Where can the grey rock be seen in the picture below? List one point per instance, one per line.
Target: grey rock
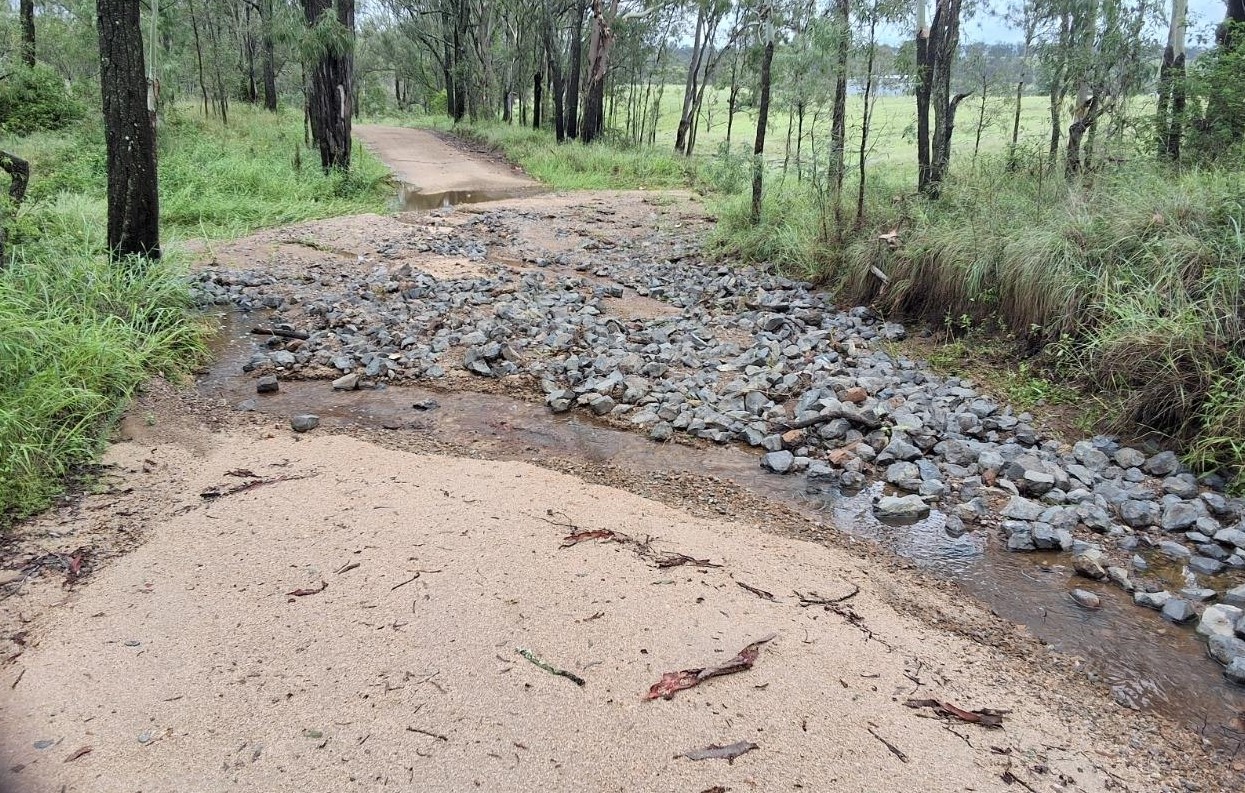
(1219, 620)
(904, 475)
(1152, 600)
(1179, 516)
(901, 507)
(304, 422)
(1235, 596)
(1019, 508)
(1235, 671)
(1225, 649)
(1139, 514)
(267, 384)
(1086, 599)
(780, 462)
(661, 431)
(1162, 464)
(601, 404)
(1178, 611)
(347, 382)
(1198, 594)
(1204, 565)
(1174, 550)
(1119, 577)
(819, 471)
(1129, 458)
(1232, 537)
(1089, 564)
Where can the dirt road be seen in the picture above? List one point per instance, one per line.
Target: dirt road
(242, 607)
(422, 159)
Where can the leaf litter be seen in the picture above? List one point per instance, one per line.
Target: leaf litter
(715, 752)
(672, 682)
(986, 717)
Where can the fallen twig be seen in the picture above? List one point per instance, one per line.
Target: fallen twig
(715, 752)
(672, 682)
(82, 751)
(761, 593)
(418, 573)
(609, 535)
(347, 567)
(285, 334)
(438, 736)
(986, 717)
(676, 559)
(220, 491)
(1009, 778)
(298, 593)
(895, 750)
(553, 670)
(814, 599)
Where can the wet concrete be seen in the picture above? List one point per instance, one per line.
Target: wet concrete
(1148, 663)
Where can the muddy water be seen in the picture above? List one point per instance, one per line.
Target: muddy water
(1148, 663)
(410, 199)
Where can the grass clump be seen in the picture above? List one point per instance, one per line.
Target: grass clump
(79, 334)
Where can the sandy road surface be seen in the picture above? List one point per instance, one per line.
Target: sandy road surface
(420, 158)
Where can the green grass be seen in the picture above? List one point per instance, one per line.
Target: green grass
(80, 335)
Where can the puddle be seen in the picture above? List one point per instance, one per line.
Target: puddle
(1150, 664)
(411, 199)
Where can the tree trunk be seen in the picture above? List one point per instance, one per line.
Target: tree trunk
(923, 73)
(331, 90)
(758, 148)
(194, 26)
(577, 65)
(598, 68)
(269, 65)
(28, 32)
(866, 118)
(838, 113)
(1083, 119)
(130, 136)
(1171, 103)
(944, 44)
(689, 85)
(536, 85)
(19, 176)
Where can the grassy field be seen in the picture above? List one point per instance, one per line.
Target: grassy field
(78, 334)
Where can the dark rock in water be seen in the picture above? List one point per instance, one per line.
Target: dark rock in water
(304, 422)
(1086, 599)
(1204, 565)
(267, 384)
(1174, 550)
(1089, 564)
(779, 462)
(1178, 611)
(1235, 596)
(1152, 600)
(1235, 671)
(1225, 648)
(897, 507)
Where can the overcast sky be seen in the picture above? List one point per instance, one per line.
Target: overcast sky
(1204, 15)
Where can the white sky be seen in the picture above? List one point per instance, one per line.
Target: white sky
(1204, 15)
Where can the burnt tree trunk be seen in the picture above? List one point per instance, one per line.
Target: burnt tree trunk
(19, 176)
(577, 65)
(331, 89)
(269, 57)
(536, 100)
(838, 113)
(130, 136)
(758, 148)
(28, 32)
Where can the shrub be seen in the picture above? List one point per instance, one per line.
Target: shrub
(34, 100)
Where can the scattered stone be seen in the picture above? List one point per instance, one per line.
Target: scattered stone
(1204, 565)
(1162, 464)
(1219, 620)
(779, 462)
(1088, 563)
(1235, 671)
(1225, 648)
(267, 384)
(1023, 509)
(1086, 599)
(1129, 458)
(1152, 600)
(662, 431)
(1178, 611)
(900, 507)
(304, 422)
(1235, 596)
(347, 382)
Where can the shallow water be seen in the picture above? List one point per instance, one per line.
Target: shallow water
(1149, 663)
(410, 199)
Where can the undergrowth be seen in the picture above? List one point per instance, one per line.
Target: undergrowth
(1132, 282)
(79, 334)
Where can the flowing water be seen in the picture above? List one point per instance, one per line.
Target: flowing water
(1148, 662)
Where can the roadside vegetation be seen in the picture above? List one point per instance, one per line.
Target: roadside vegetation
(80, 334)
